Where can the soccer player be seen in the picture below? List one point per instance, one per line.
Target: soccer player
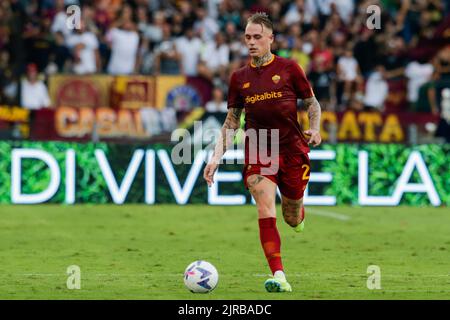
(268, 88)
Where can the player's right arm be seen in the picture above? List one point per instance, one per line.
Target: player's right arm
(224, 141)
(229, 128)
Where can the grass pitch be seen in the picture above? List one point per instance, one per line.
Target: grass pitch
(140, 252)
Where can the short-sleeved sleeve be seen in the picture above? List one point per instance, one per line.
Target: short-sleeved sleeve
(301, 85)
(234, 97)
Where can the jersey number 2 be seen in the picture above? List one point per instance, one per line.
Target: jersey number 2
(305, 172)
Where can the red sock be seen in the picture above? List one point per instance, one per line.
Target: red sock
(271, 243)
(302, 215)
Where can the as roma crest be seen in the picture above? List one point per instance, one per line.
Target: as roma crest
(276, 78)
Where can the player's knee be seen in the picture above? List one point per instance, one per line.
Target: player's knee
(265, 209)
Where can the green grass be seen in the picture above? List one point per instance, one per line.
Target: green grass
(140, 252)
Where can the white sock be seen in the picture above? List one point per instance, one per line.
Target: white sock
(279, 274)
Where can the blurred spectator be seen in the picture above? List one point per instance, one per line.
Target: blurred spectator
(228, 13)
(441, 79)
(205, 26)
(9, 86)
(38, 42)
(310, 12)
(356, 103)
(294, 32)
(348, 73)
(167, 58)
(322, 55)
(442, 63)
(260, 6)
(365, 51)
(217, 104)
(151, 30)
(426, 42)
(189, 46)
(293, 14)
(147, 57)
(124, 42)
(443, 129)
(101, 17)
(34, 94)
(154, 31)
(177, 23)
(84, 47)
(376, 90)
(324, 86)
(61, 52)
(345, 9)
(142, 20)
(324, 8)
(88, 14)
(418, 74)
(5, 73)
(335, 30)
(237, 46)
(60, 20)
(394, 58)
(215, 58)
(185, 17)
(300, 56)
(283, 50)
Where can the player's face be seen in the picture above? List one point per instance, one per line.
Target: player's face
(258, 39)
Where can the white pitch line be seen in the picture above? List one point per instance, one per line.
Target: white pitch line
(328, 214)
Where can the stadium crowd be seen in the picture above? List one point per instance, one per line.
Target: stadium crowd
(349, 64)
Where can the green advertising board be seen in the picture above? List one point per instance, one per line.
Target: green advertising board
(367, 174)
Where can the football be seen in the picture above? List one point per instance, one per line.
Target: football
(201, 277)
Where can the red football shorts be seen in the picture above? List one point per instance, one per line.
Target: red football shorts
(291, 176)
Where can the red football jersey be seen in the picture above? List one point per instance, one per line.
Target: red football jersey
(269, 95)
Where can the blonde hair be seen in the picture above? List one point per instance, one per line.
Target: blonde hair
(261, 18)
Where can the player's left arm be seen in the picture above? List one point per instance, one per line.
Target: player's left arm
(314, 112)
(304, 91)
